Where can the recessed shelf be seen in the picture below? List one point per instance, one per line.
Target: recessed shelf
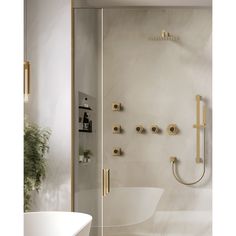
(85, 108)
(85, 131)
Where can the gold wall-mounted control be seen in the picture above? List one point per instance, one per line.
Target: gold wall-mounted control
(116, 106)
(116, 129)
(172, 129)
(116, 151)
(140, 129)
(155, 129)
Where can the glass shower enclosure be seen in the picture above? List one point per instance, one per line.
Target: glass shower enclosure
(142, 117)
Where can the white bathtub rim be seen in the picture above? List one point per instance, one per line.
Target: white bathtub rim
(82, 226)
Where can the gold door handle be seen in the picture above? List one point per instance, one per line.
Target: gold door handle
(106, 182)
(103, 182)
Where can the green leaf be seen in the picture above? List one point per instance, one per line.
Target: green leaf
(36, 146)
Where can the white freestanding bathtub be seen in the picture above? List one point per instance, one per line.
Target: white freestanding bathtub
(56, 224)
(123, 206)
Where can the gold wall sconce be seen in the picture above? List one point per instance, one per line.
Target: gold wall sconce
(26, 81)
(116, 106)
(155, 129)
(116, 129)
(172, 129)
(140, 129)
(117, 151)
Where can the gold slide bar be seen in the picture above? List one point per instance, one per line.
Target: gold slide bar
(198, 158)
(198, 126)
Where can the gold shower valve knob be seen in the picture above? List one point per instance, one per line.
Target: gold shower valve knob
(116, 129)
(140, 129)
(116, 106)
(172, 129)
(116, 151)
(155, 129)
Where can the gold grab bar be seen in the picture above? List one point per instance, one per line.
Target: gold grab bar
(198, 127)
(106, 182)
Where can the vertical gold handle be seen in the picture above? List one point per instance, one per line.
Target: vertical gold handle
(106, 181)
(103, 182)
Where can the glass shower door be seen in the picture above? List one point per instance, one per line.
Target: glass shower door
(129, 88)
(88, 116)
(150, 83)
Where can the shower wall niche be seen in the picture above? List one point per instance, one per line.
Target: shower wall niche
(156, 82)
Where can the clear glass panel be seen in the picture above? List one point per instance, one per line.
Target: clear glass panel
(87, 91)
(156, 82)
(123, 61)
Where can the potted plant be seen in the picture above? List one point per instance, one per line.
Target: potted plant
(35, 148)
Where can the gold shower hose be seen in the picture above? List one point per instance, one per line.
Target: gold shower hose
(173, 164)
(198, 127)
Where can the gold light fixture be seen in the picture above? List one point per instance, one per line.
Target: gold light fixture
(26, 81)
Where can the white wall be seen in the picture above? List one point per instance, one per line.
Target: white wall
(49, 51)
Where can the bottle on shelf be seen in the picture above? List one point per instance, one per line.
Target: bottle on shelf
(86, 122)
(80, 123)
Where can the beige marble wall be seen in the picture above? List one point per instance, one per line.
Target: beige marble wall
(157, 81)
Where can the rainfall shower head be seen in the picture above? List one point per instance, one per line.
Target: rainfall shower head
(164, 36)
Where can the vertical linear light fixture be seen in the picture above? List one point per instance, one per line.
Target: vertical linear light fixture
(26, 81)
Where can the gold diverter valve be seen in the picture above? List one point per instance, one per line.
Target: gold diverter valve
(155, 129)
(172, 129)
(116, 129)
(140, 129)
